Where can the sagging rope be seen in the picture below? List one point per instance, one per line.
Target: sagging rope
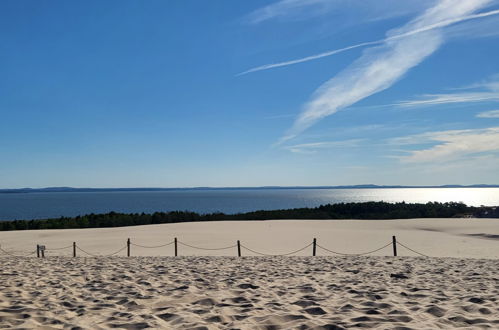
(61, 248)
(16, 255)
(276, 255)
(354, 254)
(153, 246)
(100, 255)
(208, 249)
(408, 248)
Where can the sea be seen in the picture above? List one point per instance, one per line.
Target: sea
(42, 205)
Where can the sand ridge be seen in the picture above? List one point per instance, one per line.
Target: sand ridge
(456, 288)
(248, 293)
(462, 238)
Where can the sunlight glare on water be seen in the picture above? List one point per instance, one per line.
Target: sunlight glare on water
(56, 204)
(469, 196)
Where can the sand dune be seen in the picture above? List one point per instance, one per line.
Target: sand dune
(458, 288)
(463, 238)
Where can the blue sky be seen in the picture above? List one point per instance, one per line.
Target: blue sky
(248, 93)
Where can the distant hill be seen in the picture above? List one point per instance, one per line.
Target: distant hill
(362, 186)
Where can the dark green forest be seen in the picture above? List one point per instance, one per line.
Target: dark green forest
(369, 210)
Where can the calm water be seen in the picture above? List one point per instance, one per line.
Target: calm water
(49, 205)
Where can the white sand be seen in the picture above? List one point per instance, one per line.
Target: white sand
(248, 293)
(462, 238)
(193, 292)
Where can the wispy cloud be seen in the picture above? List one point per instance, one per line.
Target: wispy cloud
(450, 145)
(288, 115)
(369, 10)
(438, 25)
(285, 8)
(313, 147)
(482, 92)
(436, 99)
(380, 67)
(489, 114)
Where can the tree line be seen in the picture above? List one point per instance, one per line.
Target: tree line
(368, 210)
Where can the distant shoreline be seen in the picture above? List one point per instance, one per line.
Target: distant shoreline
(366, 186)
(339, 211)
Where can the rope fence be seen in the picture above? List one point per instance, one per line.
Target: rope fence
(41, 249)
(100, 255)
(153, 246)
(208, 249)
(276, 255)
(354, 254)
(408, 248)
(61, 248)
(25, 254)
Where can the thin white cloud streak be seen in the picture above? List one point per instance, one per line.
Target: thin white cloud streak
(439, 99)
(309, 58)
(313, 147)
(480, 28)
(434, 26)
(424, 138)
(450, 145)
(280, 116)
(369, 10)
(487, 92)
(380, 67)
(492, 84)
(286, 8)
(489, 114)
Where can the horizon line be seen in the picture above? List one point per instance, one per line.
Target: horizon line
(367, 185)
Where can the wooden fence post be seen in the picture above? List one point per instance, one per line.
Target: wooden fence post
(38, 250)
(394, 243)
(128, 247)
(176, 248)
(74, 249)
(42, 250)
(314, 247)
(238, 248)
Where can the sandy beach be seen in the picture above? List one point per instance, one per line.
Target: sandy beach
(461, 238)
(456, 287)
(210, 114)
(248, 293)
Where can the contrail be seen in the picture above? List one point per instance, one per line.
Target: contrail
(378, 70)
(369, 43)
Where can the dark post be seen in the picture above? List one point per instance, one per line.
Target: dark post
(315, 247)
(74, 249)
(175, 243)
(394, 242)
(43, 252)
(238, 248)
(128, 247)
(38, 250)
